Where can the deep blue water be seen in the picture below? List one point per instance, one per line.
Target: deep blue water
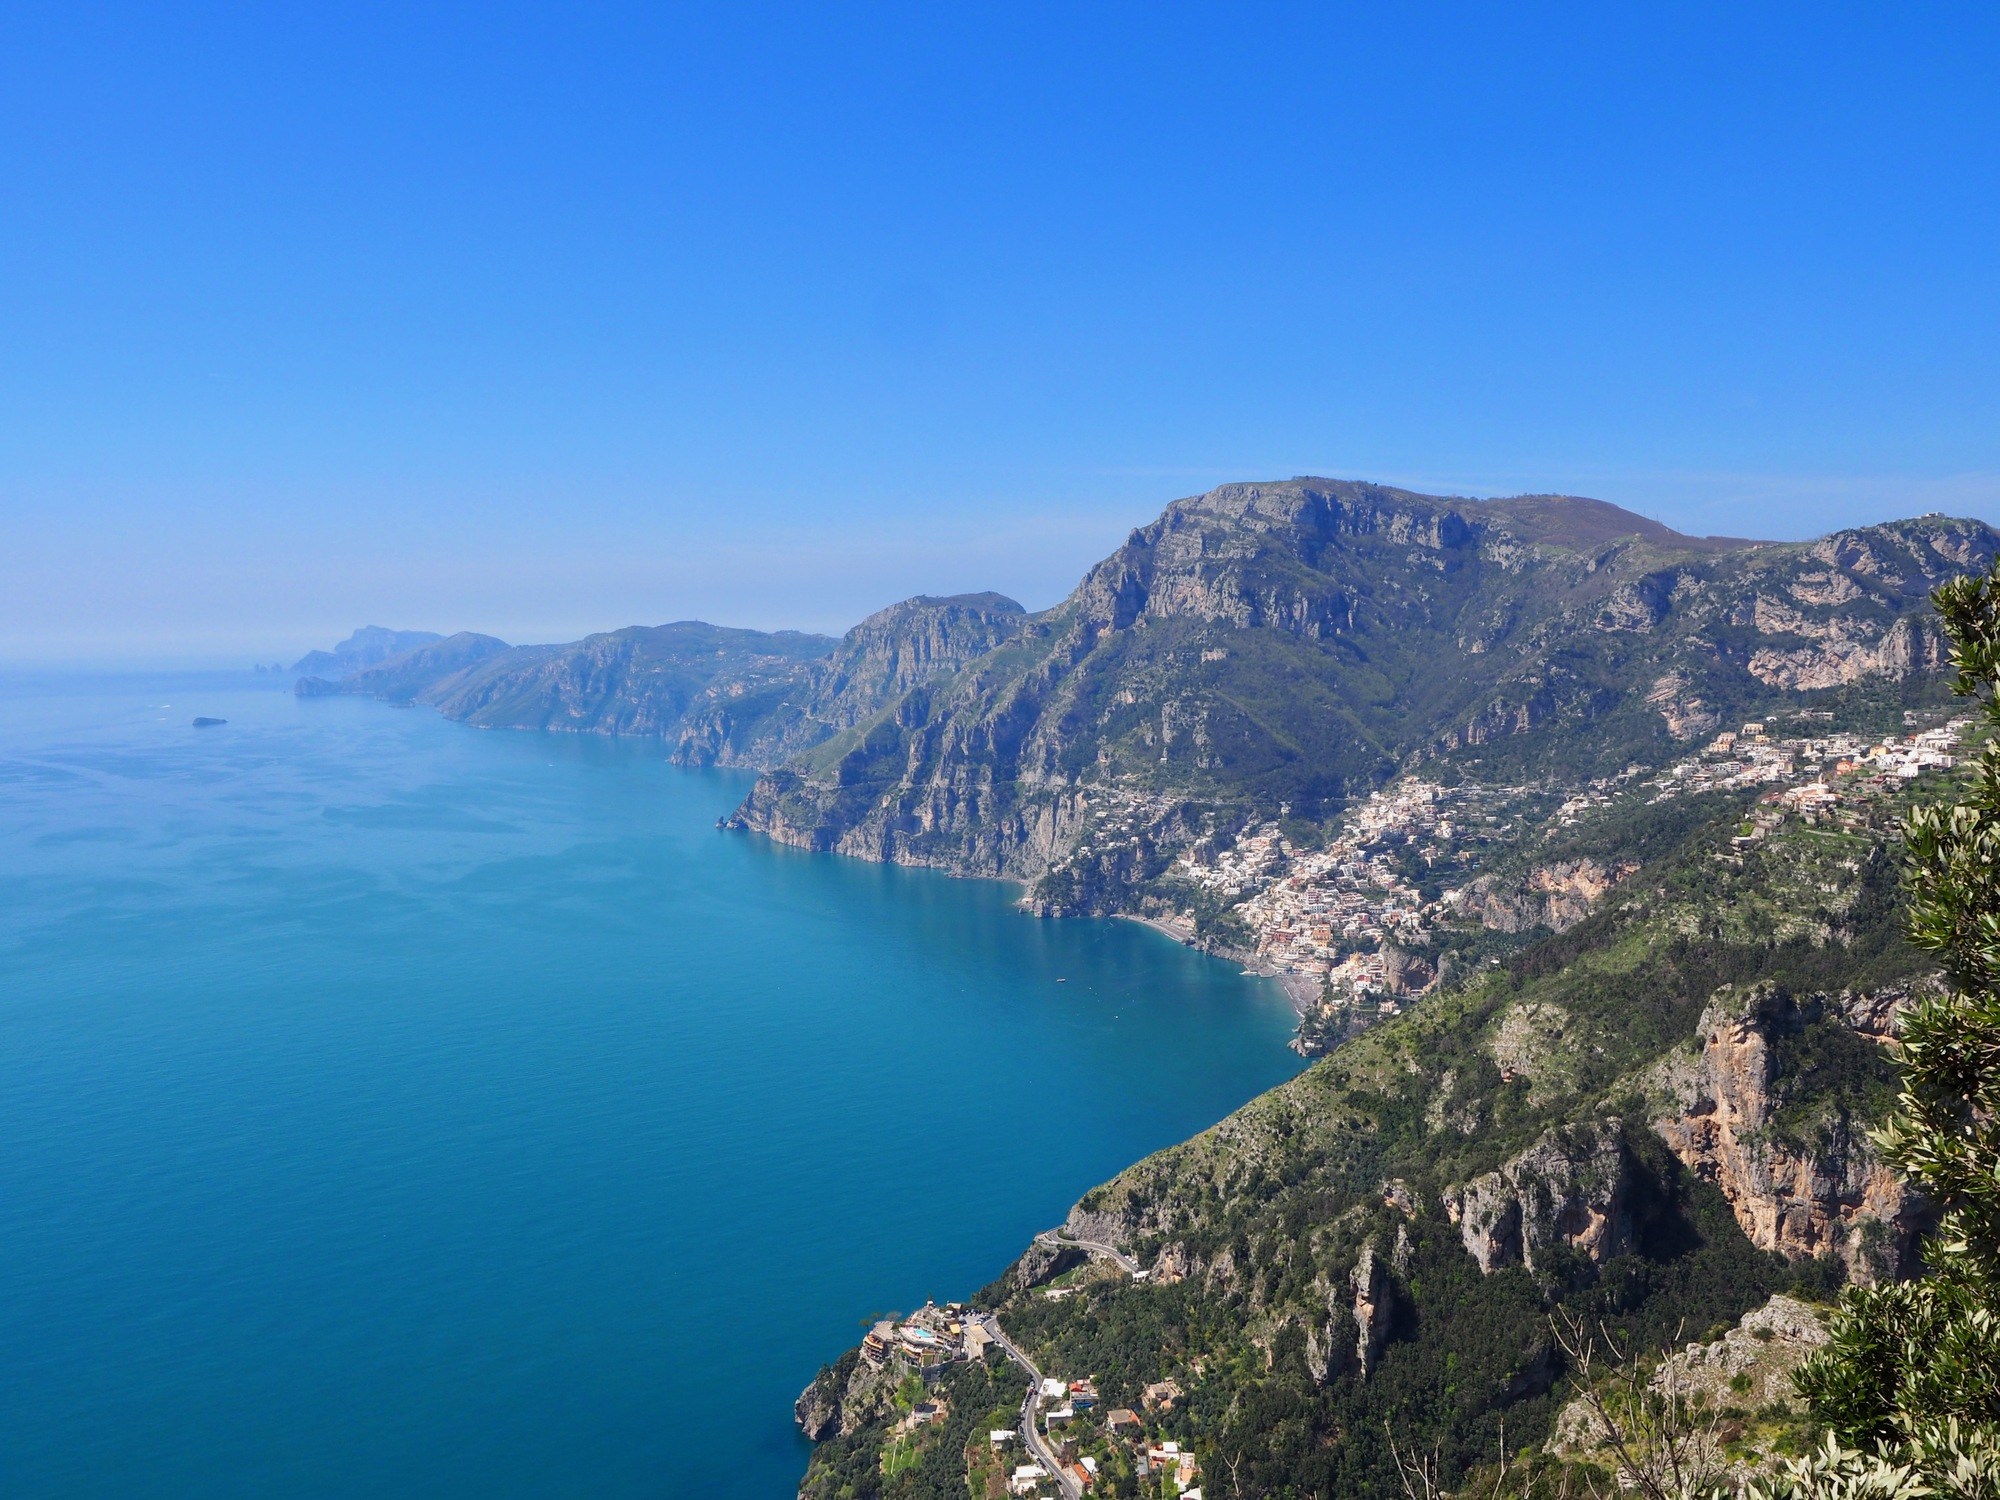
(388, 1108)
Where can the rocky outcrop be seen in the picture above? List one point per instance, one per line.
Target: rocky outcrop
(1749, 1369)
(817, 1411)
(1906, 649)
(1556, 896)
(1042, 1261)
(844, 1397)
(1829, 1193)
(1363, 1304)
(1570, 1189)
(1531, 1040)
(1686, 716)
(1371, 1308)
(1405, 973)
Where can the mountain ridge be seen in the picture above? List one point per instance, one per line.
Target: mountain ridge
(1284, 647)
(1259, 650)
(717, 694)
(369, 646)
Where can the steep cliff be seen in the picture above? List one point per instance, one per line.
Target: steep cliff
(1774, 1109)
(1655, 1118)
(1570, 1189)
(1557, 895)
(1271, 649)
(891, 653)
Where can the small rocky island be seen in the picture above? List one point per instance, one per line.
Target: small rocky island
(202, 721)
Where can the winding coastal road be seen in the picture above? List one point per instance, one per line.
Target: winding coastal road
(1031, 1432)
(1058, 1240)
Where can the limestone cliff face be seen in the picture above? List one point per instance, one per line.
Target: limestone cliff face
(1556, 896)
(1364, 1305)
(1681, 708)
(843, 1398)
(1571, 1188)
(1906, 649)
(1267, 648)
(1842, 611)
(891, 653)
(1371, 1308)
(1826, 1192)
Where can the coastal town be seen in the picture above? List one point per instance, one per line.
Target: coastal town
(1346, 926)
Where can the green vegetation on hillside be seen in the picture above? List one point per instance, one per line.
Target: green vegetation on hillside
(1909, 1388)
(1257, 1231)
(927, 1462)
(1275, 651)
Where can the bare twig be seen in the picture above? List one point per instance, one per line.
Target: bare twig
(1662, 1434)
(1419, 1472)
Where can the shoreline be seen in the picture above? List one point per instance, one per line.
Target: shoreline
(1299, 989)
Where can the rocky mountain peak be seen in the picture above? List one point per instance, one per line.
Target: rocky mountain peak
(1284, 645)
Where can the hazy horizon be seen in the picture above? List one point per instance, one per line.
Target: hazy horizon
(1022, 552)
(544, 323)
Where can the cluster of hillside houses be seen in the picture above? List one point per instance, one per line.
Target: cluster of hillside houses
(1340, 913)
(1324, 913)
(1072, 1420)
(1811, 774)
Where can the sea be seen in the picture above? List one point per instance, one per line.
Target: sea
(393, 1108)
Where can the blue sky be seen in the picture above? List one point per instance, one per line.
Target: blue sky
(542, 319)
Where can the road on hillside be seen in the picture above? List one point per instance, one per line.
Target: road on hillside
(1061, 1241)
(1031, 1432)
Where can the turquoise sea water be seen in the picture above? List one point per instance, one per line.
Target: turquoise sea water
(388, 1108)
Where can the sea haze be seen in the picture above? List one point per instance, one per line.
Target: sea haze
(394, 1108)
